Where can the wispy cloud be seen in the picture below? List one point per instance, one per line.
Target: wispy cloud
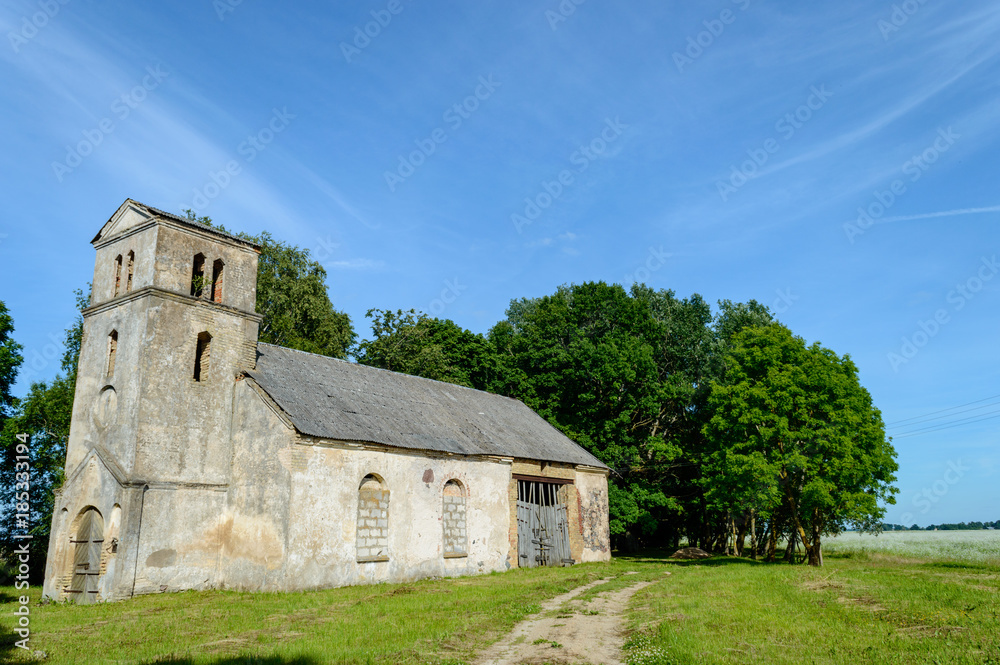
(945, 213)
(356, 264)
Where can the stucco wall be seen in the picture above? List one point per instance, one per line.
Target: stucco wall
(298, 497)
(143, 243)
(179, 539)
(595, 536)
(92, 485)
(183, 431)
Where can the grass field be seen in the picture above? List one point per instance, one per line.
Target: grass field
(880, 605)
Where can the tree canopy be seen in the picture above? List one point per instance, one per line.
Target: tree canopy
(44, 415)
(413, 343)
(794, 436)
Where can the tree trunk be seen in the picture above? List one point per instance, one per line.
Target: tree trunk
(816, 554)
(810, 550)
(741, 536)
(753, 535)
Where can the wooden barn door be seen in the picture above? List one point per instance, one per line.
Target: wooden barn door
(542, 527)
(89, 541)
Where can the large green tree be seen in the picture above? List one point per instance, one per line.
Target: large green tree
(794, 434)
(292, 297)
(44, 416)
(413, 343)
(593, 360)
(10, 361)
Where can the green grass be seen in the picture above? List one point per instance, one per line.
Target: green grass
(430, 621)
(864, 606)
(882, 609)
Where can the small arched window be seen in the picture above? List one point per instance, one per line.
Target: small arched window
(203, 356)
(198, 275)
(373, 520)
(453, 520)
(112, 352)
(217, 269)
(130, 270)
(118, 274)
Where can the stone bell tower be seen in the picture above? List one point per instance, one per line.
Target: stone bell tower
(171, 323)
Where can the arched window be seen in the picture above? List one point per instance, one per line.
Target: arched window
(217, 268)
(118, 274)
(373, 520)
(198, 275)
(203, 356)
(453, 520)
(112, 351)
(88, 541)
(131, 269)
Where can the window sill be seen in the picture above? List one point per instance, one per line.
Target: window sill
(456, 555)
(370, 559)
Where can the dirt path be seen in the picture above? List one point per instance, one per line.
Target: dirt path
(567, 631)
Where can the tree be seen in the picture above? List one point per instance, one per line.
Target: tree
(588, 359)
(292, 298)
(413, 343)
(10, 361)
(795, 433)
(44, 415)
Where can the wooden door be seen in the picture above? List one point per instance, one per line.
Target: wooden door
(542, 528)
(88, 542)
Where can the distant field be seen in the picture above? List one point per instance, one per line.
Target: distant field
(976, 546)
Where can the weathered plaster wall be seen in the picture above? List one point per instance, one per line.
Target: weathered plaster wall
(143, 243)
(296, 500)
(183, 432)
(322, 537)
(105, 407)
(255, 523)
(595, 536)
(91, 485)
(179, 539)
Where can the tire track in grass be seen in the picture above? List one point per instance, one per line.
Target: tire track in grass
(568, 632)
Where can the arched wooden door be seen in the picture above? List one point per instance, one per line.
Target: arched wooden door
(88, 542)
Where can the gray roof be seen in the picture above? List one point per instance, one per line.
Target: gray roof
(335, 399)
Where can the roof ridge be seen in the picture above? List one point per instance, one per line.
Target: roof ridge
(195, 223)
(382, 369)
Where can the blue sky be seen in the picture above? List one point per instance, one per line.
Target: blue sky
(460, 155)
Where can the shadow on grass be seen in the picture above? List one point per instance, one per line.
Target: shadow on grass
(959, 565)
(7, 647)
(664, 557)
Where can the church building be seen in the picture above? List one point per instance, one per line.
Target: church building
(201, 458)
